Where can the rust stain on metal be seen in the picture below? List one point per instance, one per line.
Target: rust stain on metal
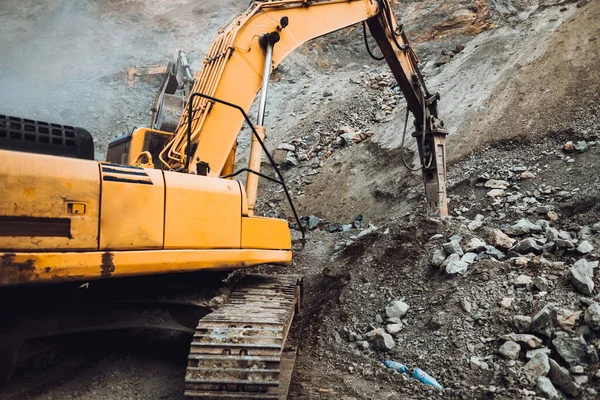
(108, 266)
(16, 272)
(8, 261)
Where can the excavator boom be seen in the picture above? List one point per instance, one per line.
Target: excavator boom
(235, 66)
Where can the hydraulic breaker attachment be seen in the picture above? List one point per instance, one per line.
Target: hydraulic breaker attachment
(433, 155)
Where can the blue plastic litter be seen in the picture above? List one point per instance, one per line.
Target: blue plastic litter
(397, 366)
(427, 379)
(417, 373)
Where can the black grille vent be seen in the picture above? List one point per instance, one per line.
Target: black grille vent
(45, 138)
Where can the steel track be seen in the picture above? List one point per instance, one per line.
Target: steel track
(238, 351)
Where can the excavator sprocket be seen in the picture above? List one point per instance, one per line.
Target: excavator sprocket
(239, 350)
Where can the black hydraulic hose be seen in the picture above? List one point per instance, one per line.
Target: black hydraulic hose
(373, 56)
(262, 145)
(402, 145)
(388, 16)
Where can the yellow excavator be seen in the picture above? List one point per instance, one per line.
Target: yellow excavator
(168, 202)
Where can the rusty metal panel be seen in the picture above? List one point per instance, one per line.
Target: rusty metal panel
(38, 195)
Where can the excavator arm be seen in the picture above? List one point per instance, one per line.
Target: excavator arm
(244, 53)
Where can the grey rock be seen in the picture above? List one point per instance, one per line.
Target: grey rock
(438, 258)
(392, 329)
(549, 247)
(475, 245)
(455, 238)
(526, 246)
(334, 227)
(581, 146)
(581, 379)
(363, 345)
(581, 275)
(477, 363)
(290, 159)
(314, 222)
(577, 369)
(592, 316)
(327, 93)
(563, 244)
(543, 209)
(532, 353)
(494, 253)
(437, 236)
(527, 340)
(449, 259)
(551, 234)
(510, 350)
(561, 378)
(522, 227)
(397, 309)
(522, 280)
(572, 349)
(453, 247)
(544, 321)
(469, 258)
(585, 233)
(585, 247)
(378, 319)
(537, 366)
(286, 146)
(394, 320)
(541, 283)
(522, 323)
(545, 388)
(476, 223)
(380, 339)
(457, 267)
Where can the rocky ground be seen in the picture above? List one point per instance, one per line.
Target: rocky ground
(498, 301)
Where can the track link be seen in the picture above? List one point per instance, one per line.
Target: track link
(237, 350)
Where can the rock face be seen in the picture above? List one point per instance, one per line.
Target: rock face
(380, 339)
(592, 316)
(572, 349)
(396, 309)
(581, 276)
(561, 378)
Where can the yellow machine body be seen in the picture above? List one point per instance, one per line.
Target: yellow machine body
(65, 219)
(165, 202)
